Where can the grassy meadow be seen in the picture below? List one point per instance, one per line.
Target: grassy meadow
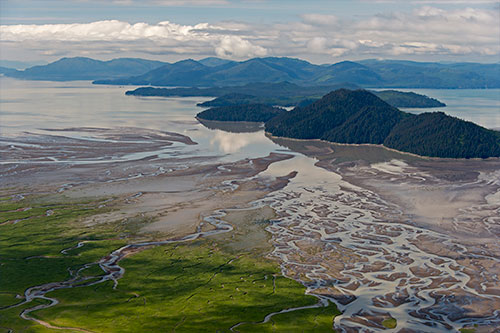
(200, 286)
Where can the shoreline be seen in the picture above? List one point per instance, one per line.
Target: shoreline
(269, 135)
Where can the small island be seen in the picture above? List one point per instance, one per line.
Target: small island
(410, 99)
(247, 113)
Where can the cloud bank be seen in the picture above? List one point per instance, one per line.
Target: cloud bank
(426, 31)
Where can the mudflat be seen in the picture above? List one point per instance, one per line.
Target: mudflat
(389, 237)
(410, 234)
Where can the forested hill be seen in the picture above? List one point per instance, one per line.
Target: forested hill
(368, 73)
(341, 109)
(437, 134)
(358, 116)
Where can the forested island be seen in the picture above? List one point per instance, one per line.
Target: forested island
(82, 68)
(249, 112)
(283, 94)
(410, 99)
(360, 117)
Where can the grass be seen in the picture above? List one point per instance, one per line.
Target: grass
(308, 320)
(202, 286)
(390, 323)
(190, 287)
(30, 250)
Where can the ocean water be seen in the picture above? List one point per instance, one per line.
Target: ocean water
(32, 106)
(481, 106)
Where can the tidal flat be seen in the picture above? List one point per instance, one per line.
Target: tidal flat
(150, 215)
(94, 265)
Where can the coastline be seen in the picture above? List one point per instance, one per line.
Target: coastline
(268, 134)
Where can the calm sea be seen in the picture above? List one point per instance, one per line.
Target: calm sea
(481, 106)
(35, 105)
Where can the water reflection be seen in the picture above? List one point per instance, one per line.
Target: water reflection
(229, 143)
(232, 126)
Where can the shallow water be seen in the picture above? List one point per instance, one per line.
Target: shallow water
(324, 212)
(31, 106)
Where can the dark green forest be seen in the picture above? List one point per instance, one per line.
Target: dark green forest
(356, 117)
(320, 119)
(249, 112)
(408, 99)
(437, 134)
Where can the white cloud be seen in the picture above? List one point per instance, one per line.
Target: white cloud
(320, 19)
(425, 31)
(236, 47)
(163, 37)
(111, 30)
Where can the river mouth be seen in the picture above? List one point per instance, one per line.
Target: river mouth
(382, 234)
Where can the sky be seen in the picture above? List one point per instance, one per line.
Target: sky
(319, 31)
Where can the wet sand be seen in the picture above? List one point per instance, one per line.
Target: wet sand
(415, 238)
(158, 185)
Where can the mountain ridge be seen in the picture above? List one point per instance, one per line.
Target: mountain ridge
(212, 71)
(370, 73)
(83, 68)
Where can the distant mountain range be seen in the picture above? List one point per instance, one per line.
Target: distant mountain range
(359, 117)
(368, 73)
(80, 68)
(210, 72)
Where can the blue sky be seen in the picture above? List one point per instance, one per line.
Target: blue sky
(319, 31)
(192, 12)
